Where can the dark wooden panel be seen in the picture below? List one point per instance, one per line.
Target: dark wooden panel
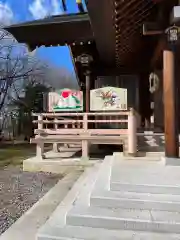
(101, 14)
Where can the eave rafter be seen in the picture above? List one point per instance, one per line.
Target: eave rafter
(128, 18)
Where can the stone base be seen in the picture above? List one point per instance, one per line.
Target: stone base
(85, 159)
(55, 166)
(132, 154)
(171, 161)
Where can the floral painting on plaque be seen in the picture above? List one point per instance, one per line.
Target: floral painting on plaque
(108, 99)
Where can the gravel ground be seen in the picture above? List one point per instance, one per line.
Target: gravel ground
(19, 191)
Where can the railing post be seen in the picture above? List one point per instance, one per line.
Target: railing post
(85, 143)
(132, 133)
(55, 145)
(40, 145)
(65, 144)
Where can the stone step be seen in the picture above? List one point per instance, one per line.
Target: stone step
(125, 219)
(145, 188)
(87, 233)
(131, 200)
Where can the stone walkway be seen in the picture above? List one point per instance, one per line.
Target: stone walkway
(120, 199)
(19, 191)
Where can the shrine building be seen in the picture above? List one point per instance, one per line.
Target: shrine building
(132, 45)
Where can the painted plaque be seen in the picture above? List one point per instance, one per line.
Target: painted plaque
(108, 99)
(65, 100)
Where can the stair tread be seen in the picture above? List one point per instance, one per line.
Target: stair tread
(137, 196)
(126, 214)
(146, 184)
(138, 176)
(130, 175)
(88, 233)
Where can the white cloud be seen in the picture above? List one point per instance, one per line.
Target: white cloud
(56, 7)
(43, 8)
(6, 14)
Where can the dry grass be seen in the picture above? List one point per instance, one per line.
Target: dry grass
(14, 154)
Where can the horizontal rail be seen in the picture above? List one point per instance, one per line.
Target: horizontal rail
(80, 137)
(58, 121)
(40, 114)
(119, 113)
(80, 121)
(74, 139)
(82, 131)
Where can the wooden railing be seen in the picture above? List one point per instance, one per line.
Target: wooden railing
(89, 127)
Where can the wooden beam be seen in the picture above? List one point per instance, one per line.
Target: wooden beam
(158, 52)
(152, 28)
(170, 114)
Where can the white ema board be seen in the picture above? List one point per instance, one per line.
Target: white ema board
(108, 99)
(65, 100)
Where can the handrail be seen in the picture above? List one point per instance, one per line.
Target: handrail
(80, 121)
(121, 113)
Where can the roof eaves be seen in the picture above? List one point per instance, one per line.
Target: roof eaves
(53, 20)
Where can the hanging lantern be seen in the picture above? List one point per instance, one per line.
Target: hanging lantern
(85, 59)
(153, 82)
(172, 34)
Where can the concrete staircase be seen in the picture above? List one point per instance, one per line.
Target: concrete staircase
(119, 199)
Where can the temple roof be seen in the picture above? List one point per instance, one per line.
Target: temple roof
(111, 31)
(54, 30)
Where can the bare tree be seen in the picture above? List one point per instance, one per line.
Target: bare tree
(19, 69)
(16, 65)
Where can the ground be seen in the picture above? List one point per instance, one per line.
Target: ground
(14, 154)
(19, 190)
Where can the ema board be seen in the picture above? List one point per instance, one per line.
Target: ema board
(65, 100)
(108, 99)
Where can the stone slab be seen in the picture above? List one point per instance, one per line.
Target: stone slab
(146, 173)
(145, 188)
(134, 202)
(171, 161)
(87, 233)
(54, 166)
(124, 219)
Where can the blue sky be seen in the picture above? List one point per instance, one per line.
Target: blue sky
(14, 11)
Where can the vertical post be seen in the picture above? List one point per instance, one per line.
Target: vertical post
(40, 145)
(132, 136)
(66, 127)
(55, 145)
(170, 114)
(87, 92)
(85, 144)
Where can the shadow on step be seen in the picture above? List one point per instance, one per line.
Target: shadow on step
(100, 151)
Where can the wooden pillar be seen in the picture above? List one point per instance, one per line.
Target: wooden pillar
(132, 133)
(56, 145)
(170, 113)
(85, 143)
(87, 92)
(40, 144)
